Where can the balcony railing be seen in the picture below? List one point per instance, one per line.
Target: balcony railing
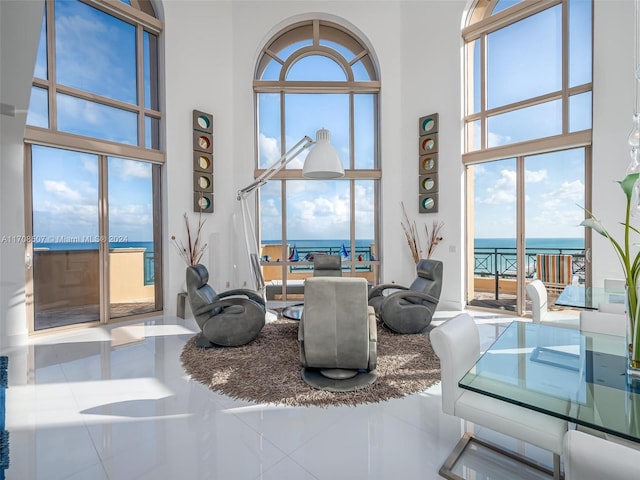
(500, 263)
(149, 268)
(306, 254)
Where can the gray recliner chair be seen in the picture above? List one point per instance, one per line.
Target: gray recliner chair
(409, 309)
(227, 319)
(327, 266)
(337, 334)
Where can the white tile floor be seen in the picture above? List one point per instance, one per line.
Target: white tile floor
(114, 403)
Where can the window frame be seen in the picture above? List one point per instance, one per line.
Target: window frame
(321, 30)
(480, 23)
(484, 25)
(142, 21)
(141, 15)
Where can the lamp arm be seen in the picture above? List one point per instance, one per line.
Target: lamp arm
(276, 166)
(250, 239)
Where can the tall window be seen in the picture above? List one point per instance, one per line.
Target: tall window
(528, 96)
(315, 75)
(93, 163)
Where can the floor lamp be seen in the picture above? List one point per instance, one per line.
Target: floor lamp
(322, 162)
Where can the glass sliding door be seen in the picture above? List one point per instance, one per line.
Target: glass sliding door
(554, 194)
(365, 218)
(522, 208)
(66, 238)
(493, 218)
(131, 238)
(92, 264)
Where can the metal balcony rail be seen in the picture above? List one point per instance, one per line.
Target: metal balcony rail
(500, 263)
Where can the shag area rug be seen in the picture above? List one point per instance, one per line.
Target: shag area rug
(267, 370)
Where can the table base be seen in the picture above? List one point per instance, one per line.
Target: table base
(468, 439)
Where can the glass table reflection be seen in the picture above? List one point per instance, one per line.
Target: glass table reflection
(577, 376)
(588, 298)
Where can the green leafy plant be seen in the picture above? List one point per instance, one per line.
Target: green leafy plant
(630, 264)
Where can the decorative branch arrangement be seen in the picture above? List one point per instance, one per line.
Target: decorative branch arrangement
(433, 236)
(411, 232)
(413, 239)
(192, 253)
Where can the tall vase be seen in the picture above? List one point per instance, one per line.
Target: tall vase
(633, 342)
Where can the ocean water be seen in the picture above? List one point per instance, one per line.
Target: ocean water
(306, 248)
(531, 244)
(542, 244)
(320, 243)
(91, 245)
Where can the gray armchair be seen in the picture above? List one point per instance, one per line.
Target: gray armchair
(227, 319)
(409, 309)
(337, 334)
(327, 266)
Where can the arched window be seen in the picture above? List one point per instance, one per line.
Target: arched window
(94, 149)
(316, 74)
(528, 117)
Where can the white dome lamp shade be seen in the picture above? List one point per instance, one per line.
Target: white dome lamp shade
(323, 161)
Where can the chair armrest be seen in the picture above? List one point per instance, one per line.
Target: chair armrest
(244, 292)
(379, 290)
(413, 297)
(218, 306)
(213, 308)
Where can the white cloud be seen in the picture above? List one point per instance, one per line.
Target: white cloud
(90, 164)
(495, 139)
(61, 190)
(133, 169)
(504, 189)
(269, 149)
(131, 215)
(535, 176)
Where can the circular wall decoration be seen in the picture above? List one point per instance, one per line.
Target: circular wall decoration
(204, 203)
(204, 162)
(203, 142)
(428, 183)
(427, 163)
(428, 124)
(203, 122)
(204, 182)
(428, 203)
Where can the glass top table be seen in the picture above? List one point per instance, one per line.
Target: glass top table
(293, 312)
(577, 376)
(579, 296)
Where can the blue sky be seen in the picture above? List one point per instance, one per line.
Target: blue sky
(554, 191)
(65, 183)
(65, 206)
(554, 183)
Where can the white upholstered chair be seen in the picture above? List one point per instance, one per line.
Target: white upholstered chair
(537, 293)
(457, 344)
(619, 308)
(597, 321)
(593, 458)
(614, 290)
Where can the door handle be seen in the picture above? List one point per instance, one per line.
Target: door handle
(28, 261)
(587, 255)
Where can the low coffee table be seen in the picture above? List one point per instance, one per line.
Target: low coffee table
(293, 312)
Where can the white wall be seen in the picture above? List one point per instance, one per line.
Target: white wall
(19, 35)
(411, 87)
(210, 51)
(613, 82)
